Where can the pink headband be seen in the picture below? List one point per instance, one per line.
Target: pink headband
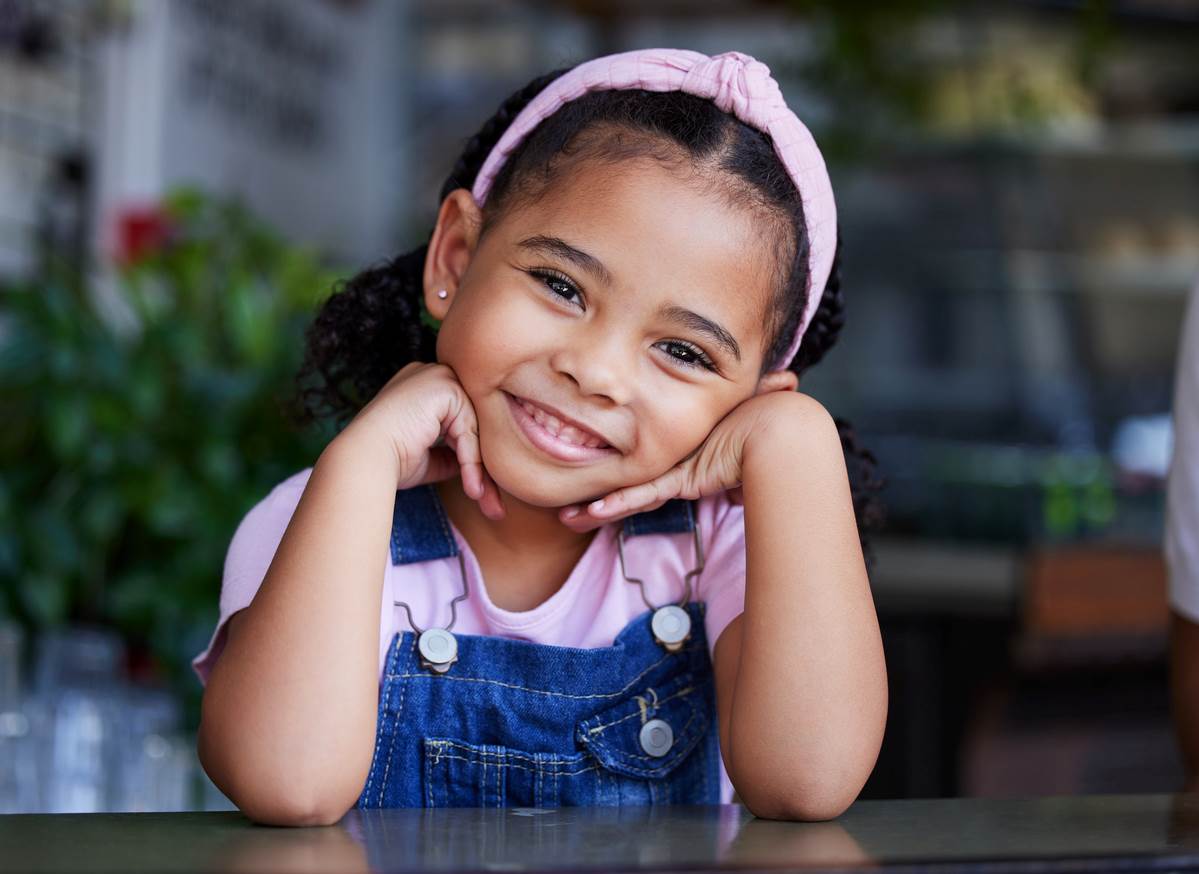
(737, 84)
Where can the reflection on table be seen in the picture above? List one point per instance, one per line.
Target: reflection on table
(1128, 832)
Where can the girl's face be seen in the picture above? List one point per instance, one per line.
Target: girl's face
(626, 300)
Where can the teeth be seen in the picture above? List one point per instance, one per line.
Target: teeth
(571, 434)
(561, 430)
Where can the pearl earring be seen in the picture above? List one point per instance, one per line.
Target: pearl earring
(442, 293)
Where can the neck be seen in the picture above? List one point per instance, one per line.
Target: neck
(524, 530)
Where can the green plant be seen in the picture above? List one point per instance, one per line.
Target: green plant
(132, 446)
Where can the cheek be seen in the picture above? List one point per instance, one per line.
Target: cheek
(479, 338)
(674, 427)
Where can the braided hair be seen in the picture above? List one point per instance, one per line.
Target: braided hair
(374, 323)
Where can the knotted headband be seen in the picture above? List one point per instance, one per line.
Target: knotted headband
(737, 84)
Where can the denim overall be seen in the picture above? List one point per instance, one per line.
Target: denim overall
(514, 723)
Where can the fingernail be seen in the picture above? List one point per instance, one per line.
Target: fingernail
(570, 513)
(596, 506)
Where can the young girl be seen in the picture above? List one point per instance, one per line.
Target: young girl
(610, 552)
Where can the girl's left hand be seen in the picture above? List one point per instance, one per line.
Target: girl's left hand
(715, 466)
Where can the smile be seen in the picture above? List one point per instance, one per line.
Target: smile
(553, 436)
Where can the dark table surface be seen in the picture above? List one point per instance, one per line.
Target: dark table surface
(1097, 832)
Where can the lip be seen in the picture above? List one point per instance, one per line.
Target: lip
(550, 444)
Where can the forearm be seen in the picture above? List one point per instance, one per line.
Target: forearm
(810, 697)
(1184, 693)
(289, 711)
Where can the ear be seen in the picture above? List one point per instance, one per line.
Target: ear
(777, 380)
(450, 249)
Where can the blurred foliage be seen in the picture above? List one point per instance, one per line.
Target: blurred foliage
(940, 66)
(131, 451)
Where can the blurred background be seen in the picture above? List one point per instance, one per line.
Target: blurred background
(182, 181)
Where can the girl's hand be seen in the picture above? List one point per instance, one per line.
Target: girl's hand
(715, 466)
(424, 416)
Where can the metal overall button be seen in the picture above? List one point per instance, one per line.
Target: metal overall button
(657, 737)
(671, 624)
(438, 648)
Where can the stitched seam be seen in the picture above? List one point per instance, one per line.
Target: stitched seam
(481, 789)
(442, 744)
(395, 730)
(378, 742)
(374, 757)
(498, 765)
(597, 729)
(616, 694)
(429, 782)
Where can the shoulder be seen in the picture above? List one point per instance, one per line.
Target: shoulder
(282, 498)
(260, 530)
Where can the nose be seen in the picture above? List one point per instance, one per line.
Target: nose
(599, 363)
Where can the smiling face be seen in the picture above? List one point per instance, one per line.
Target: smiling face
(625, 299)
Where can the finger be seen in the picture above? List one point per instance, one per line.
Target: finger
(631, 499)
(491, 503)
(638, 498)
(577, 519)
(462, 435)
(472, 480)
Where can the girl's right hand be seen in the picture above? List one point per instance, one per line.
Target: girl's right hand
(423, 414)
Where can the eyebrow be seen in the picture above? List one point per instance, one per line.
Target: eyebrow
(674, 313)
(564, 250)
(702, 325)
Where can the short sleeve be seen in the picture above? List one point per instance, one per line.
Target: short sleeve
(249, 557)
(1182, 492)
(722, 584)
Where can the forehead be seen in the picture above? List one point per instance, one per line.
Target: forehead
(664, 233)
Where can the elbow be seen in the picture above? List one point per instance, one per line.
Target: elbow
(290, 812)
(807, 806)
(272, 799)
(809, 795)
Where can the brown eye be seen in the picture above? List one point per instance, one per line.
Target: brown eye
(688, 354)
(559, 285)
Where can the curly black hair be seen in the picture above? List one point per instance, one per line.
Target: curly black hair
(374, 323)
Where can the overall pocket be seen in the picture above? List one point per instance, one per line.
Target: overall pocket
(657, 745)
(651, 747)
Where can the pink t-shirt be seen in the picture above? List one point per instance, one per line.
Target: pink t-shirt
(589, 610)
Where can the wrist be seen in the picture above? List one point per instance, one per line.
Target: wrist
(361, 445)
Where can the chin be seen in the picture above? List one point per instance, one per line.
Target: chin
(537, 491)
(541, 487)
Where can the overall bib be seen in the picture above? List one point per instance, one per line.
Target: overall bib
(514, 723)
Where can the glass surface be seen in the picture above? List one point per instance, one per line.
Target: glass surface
(1113, 832)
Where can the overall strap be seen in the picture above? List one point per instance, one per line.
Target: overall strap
(673, 517)
(420, 530)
